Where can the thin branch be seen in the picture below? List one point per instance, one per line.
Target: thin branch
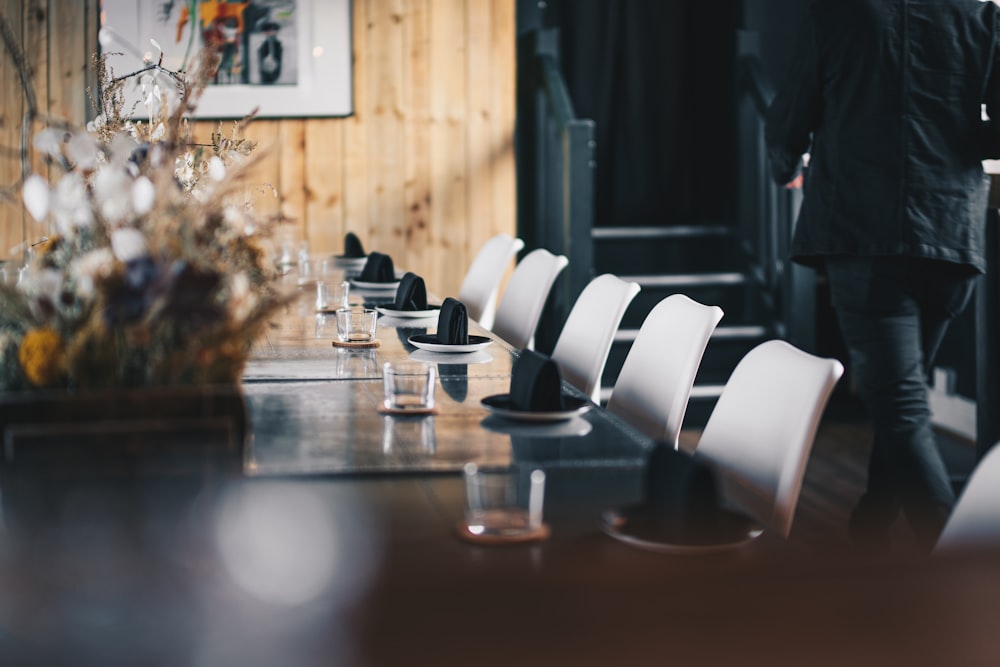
(172, 74)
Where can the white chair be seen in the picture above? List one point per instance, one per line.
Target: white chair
(524, 298)
(975, 521)
(762, 429)
(482, 281)
(654, 384)
(582, 349)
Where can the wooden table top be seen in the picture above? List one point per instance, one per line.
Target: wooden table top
(338, 546)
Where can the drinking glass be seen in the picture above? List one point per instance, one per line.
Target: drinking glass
(408, 385)
(503, 501)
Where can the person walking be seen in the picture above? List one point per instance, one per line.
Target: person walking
(884, 104)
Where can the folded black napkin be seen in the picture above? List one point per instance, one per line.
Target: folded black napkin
(378, 269)
(681, 496)
(352, 246)
(535, 383)
(453, 323)
(411, 293)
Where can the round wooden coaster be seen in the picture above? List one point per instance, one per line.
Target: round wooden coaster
(537, 535)
(407, 411)
(370, 343)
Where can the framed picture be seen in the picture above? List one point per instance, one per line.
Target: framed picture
(288, 58)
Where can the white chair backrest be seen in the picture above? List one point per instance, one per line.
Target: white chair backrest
(482, 281)
(762, 429)
(654, 384)
(524, 298)
(582, 349)
(975, 521)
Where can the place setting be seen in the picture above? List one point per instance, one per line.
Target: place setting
(410, 302)
(536, 393)
(503, 505)
(452, 336)
(408, 388)
(356, 327)
(378, 274)
(681, 512)
(354, 257)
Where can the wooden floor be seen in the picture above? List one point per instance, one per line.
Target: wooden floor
(835, 477)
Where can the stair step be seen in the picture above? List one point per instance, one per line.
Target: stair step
(675, 249)
(739, 301)
(660, 232)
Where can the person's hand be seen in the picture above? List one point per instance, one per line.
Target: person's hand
(796, 183)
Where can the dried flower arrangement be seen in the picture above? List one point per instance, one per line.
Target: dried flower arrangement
(151, 269)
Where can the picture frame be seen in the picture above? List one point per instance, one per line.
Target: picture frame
(285, 58)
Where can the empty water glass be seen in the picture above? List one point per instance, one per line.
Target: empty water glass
(408, 385)
(503, 502)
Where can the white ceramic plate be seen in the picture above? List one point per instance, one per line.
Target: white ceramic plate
(615, 524)
(356, 263)
(499, 404)
(480, 357)
(360, 284)
(431, 344)
(433, 311)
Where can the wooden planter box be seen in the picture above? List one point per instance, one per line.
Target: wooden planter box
(156, 432)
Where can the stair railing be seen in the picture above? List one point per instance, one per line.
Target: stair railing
(555, 175)
(767, 211)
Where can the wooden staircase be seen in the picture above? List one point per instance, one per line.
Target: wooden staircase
(703, 261)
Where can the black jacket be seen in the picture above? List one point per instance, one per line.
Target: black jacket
(886, 96)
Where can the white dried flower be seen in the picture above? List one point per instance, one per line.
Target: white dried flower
(128, 244)
(89, 267)
(112, 192)
(70, 206)
(83, 149)
(217, 169)
(49, 141)
(35, 193)
(143, 196)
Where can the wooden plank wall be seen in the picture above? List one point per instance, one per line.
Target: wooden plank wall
(423, 170)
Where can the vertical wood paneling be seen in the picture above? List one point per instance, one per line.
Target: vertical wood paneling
(502, 116)
(68, 59)
(36, 50)
(324, 184)
(291, 174)
(356, 136)
(480, 83)
(11, 232)
(385, 128)
(416, 148)
(422, 170)
(448, 166)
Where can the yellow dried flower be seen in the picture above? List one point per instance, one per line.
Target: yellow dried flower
(46, 246)
(42, 354)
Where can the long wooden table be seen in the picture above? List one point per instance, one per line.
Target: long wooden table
(338, 547)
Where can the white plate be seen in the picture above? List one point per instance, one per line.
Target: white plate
(480, 357)
(429, 343)
(409, 314)
(360, 284)
(615, 525)
(356, 263)
(499, 404)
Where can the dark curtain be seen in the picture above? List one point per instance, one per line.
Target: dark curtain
(657, 78)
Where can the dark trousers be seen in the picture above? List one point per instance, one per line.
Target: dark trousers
(893, 314)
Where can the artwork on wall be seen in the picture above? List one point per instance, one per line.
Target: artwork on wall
(289, 58)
